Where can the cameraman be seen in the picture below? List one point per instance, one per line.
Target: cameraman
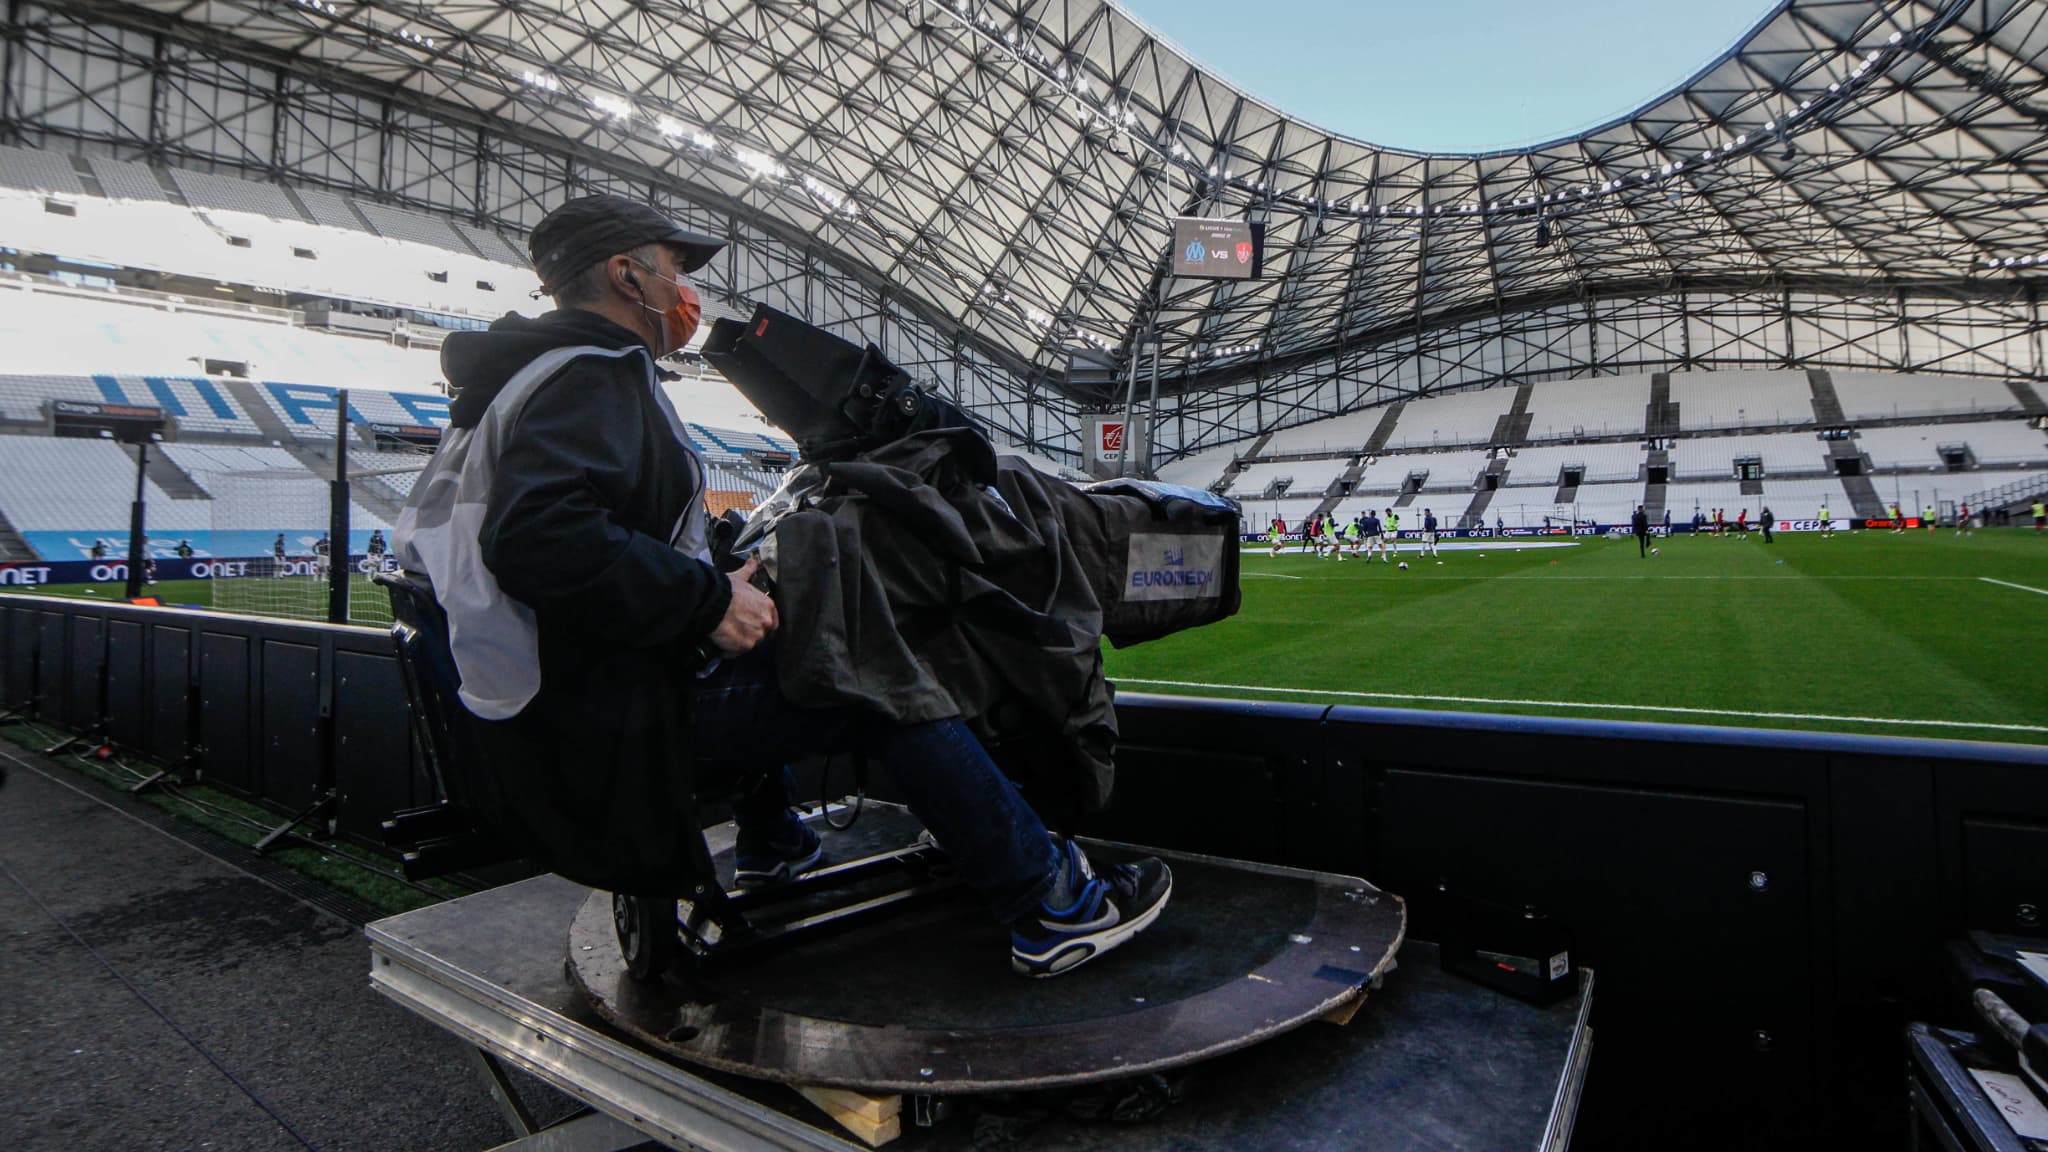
(618, 672)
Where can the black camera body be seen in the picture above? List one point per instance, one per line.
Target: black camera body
(836, 399)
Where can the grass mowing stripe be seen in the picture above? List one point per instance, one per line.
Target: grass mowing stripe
(2008, 584)
(1805, 633)
(1662, 708)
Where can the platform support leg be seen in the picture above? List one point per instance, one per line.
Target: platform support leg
(493, 1074)
(586, 1131)
(320, 809)
(875, 1119)
(64, 745)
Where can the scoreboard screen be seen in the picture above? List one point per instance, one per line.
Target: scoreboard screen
(127, 423)
(1218, 249)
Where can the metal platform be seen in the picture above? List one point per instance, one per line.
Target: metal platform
(923, 1000)
(1430, 1061)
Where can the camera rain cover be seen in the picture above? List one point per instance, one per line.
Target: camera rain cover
(829, 394)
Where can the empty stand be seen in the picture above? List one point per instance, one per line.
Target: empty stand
(1741, 399)
(1450, 420)
(1200, 469)
(399, 224)
(493, 246)
(204, 461)
(206, 190)
(1603, 503)
(1597, 406)
(1681, 500)
(1338, 434)
(1970, 485)
(249, 232)
(330, 209)
(1918, 446)
(38, 171)
(1259, 513)
(1803, 498)
(1391, 473)
(127, 180)
(1881, 396)
(1450, 471)
(1780, 453)
(60, 495)
(1617, 461)
(1308, 477)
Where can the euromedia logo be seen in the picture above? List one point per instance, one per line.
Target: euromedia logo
(1165, 566)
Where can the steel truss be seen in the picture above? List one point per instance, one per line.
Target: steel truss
(1972, 332)
(981, 185)
(183, 95)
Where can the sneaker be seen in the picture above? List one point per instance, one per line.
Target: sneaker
(779, 862)
(1107, 910)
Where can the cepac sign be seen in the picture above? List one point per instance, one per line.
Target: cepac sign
(1107, 437)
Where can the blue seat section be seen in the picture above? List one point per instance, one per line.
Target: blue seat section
(309, 409)
(727, 447)
(198, 404)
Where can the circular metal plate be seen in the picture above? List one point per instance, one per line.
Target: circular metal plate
(923, 1000)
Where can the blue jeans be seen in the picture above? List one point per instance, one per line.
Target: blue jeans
(745, 730)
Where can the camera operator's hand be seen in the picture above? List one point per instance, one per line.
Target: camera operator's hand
(749, 617)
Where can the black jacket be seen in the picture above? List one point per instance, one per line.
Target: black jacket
(593, 490)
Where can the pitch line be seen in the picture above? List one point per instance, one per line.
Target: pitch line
(1663, 708)
(2021, 587)
(1272, 576)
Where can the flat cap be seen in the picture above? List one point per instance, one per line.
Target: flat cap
(592, 228)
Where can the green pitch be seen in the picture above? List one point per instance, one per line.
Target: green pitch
(1870, 632)
(293, 598)
(1867, 632)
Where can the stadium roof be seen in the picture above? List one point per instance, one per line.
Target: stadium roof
(1014, 168)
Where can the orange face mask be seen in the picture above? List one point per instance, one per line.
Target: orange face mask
(680, 322)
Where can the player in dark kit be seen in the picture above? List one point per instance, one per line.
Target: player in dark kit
(1641, 524)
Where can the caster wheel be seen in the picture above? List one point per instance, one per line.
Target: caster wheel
(647, 934)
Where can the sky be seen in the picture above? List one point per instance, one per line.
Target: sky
(1453, 75)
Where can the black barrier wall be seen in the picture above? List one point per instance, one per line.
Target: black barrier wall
(1765, 910)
